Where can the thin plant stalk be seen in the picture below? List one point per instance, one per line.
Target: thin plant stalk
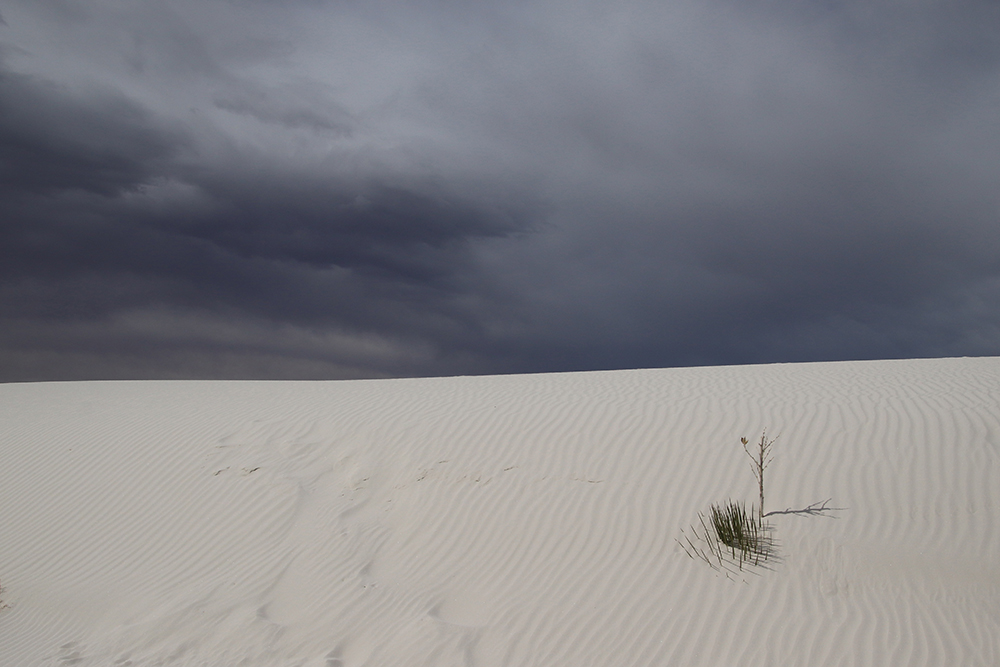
(760, 459)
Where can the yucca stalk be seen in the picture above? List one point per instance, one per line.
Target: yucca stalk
(759, 461)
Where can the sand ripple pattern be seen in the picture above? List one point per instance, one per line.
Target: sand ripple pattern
(501, 521)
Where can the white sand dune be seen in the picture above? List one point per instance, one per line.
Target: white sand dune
(514, 520)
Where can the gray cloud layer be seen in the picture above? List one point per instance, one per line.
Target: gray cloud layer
(327, 189)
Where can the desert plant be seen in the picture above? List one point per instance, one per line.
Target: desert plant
(746, 536)
(760, 459)
(730, 536)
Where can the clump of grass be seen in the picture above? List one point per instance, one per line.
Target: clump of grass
(744, 534)
(730, 536)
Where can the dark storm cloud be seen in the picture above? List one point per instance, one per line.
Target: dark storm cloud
(102, 142)
(315, 189)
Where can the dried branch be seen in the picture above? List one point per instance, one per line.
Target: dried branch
(759, 462)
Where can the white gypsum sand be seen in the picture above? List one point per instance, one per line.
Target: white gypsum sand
(514, 520)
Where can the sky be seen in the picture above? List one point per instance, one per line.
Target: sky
(313, 189)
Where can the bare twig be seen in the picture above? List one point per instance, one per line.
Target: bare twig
(816, 509)
(759, 462)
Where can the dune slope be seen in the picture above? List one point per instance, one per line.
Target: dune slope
(513, 520)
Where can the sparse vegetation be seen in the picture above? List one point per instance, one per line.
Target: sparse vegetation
(732, 535)
(737, 529)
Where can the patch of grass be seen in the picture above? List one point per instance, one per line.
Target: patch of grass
(730, 539)
(746, 536)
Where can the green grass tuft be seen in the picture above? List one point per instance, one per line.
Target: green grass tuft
(746, 536)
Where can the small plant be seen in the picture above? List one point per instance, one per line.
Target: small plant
(731, 535)
(746, 536)
(729, 539)
(759, 461)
